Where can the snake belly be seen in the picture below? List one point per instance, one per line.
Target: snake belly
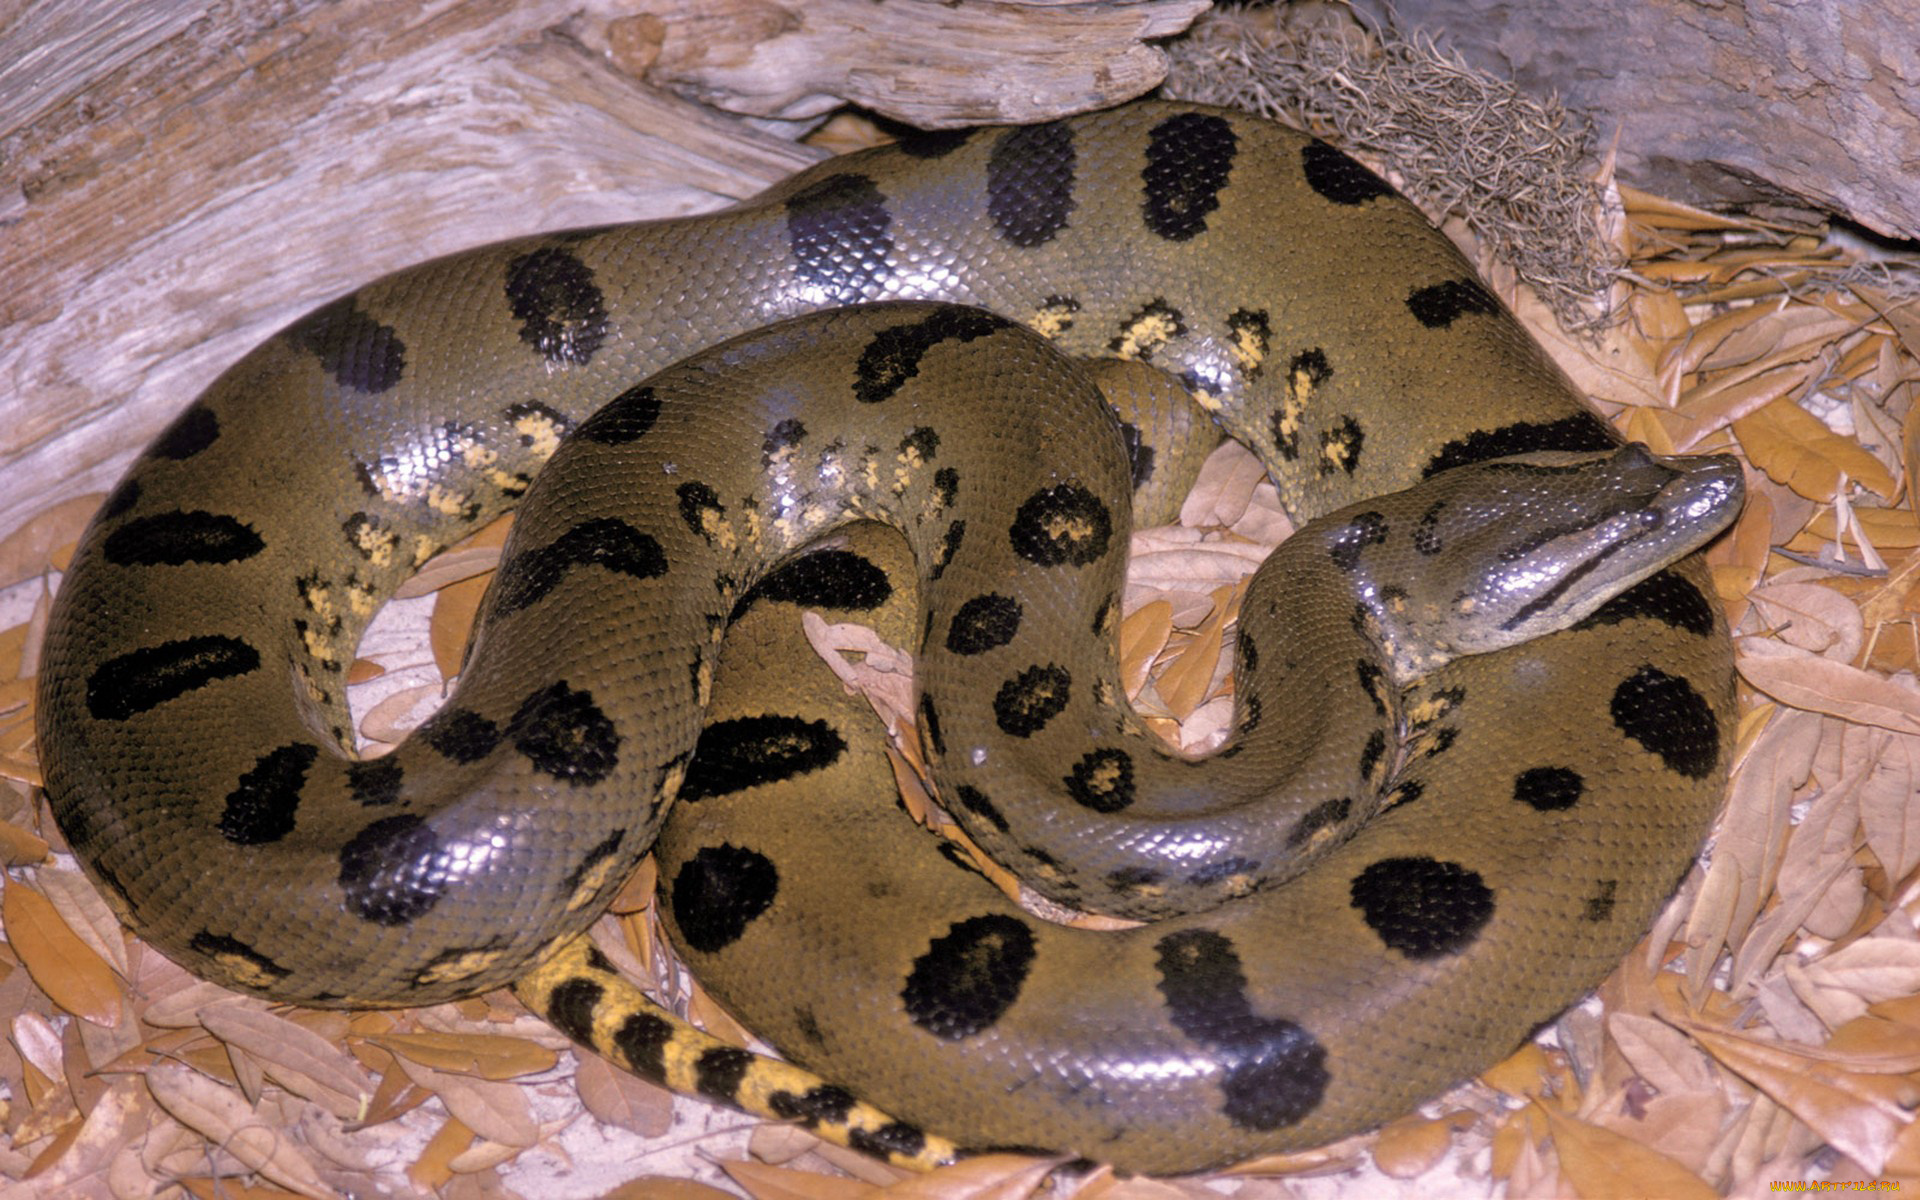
(1541, 801)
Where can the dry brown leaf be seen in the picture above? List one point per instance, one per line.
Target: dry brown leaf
(623, 1099)
(484, 1055)
(454, 607)
(499, 1112)
(763, 1182)
(86, 913)
(28, 549)
(295, 1057)
(1796, 449)
(1814, 618)
(222, 1117)
(1143, 635)
(987, 1177)
(60, 961)
(1412, 1146)
(1603, 1165)
(1792, 676)
(659, 1187)
(20, 848)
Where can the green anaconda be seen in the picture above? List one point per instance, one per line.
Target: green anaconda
(1484, 699)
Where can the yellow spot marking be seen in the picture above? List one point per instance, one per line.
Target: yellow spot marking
(703, 681)
(1248, 349)
(1051, 320)
(1207, 401)
(244, 971)
(717, 530)
(376, 544)
(592, 882)
(319, 598)
(1338, 452)
(361, 599)
(756, 527)
(670, 786)
(1068, 527)
(319, 646)
(1241, 883)
(1429, 710)
(1103, 778)
(1145, 335)
(423, 548)
(448, 502)
(476, 454)
(464, 966)
(541, 433)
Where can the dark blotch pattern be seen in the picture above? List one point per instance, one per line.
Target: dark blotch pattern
(173, 539)
(984, 623)
(895, 353)
(824, 579)
(146, 678)
(219, 945)
(1276, 1072)
(1189, 157)
(1253, 333)
(700, 508)
(1580, 431)
(837, 229)
(460, 735)
(358, 351)
(1365, 529)
(930, 726)
(1372, 753)
(563, 733)
(784, 436)
(718, 1072)
(895, 1137)
(628, 418)
(1340, 446)
(642, 1039)
(1139, 454)
(1102, 780)
(375, 782)
(822, 1103)
(121, 500)
(975, 801)
(1064, 523)
(1441, 304)
(1025, 703)
(933, 143)
(260, 810)
(1329, 814)
(605, 542)
(1663, 596)
(1422, 907)
(1373, 683)
(191, 432)
(719, 892)
(1549, 789)
(746, 752)
(969, 976)
(922, 441)
(1224, 868)
(949, 546)
(1426, 531)
(1338, 177)
(1599, 906)
(1164, 320)
(561, 310)
(394, 870)
(1668, 718)
(1030, 174)
(570, 1007)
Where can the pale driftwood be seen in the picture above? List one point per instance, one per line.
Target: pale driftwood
(178, 180)
(935, 65)
(1814, 103)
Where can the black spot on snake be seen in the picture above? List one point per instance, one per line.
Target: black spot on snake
(1599, 906)
(1441, 304)
(895, 1137)
(191, 432)
(1102, 781)
(817, 1104)
(969, 976)
(1340, 447)
(629, 417)
(1251, 710)
(1064, 523)
(460, 735)
(1373, 683)
(260, 810)
(1131, 879)
(949, 546)
(219, 945)
(1252, 331)
(394, 870)
(605, 542)
(895, 353)
(745, 752)
(561, 310)
(1372, 754)
(1024, 704)
(1247, 652)
(1225, 868)
(1139, 454)
(824, 579)
(837, 229)
(570, 1007)
(933, 143)
(1422, 907)
(1338, 177)
(121, 500)
(1151, 326)
(1668, 718)
(783, 436)
(1328, 814)
(173, 539)
(522, 411)
(922, 442)
(719, 892)
(1276, 1072)
(1030, 176)
(642, 1039)
(1581, 431)
(563, 733)
(1426, 531)
(946, 486)
(975, 801)
(358, 351)
(984, 623)
(718, 1072)
(1662, 596)
(1405, 792)
(1189, 158)
(143, 679)
(1549, 789)
(930, 726)
(1365, 529)
(375, 781)
(701, 509)
(608, 846)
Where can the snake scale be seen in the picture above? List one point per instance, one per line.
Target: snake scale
(1484, 701)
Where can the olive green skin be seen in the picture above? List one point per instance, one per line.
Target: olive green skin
(1539, 801)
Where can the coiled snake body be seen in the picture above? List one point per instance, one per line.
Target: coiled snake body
(1459, 846)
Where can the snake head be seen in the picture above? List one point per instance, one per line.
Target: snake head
(1505, 551)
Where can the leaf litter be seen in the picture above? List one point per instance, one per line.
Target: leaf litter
(1768, 1028)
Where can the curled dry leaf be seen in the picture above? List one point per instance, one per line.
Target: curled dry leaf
(295, 1057)
(67, 969)
(222, 1117)
(498, 1112)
